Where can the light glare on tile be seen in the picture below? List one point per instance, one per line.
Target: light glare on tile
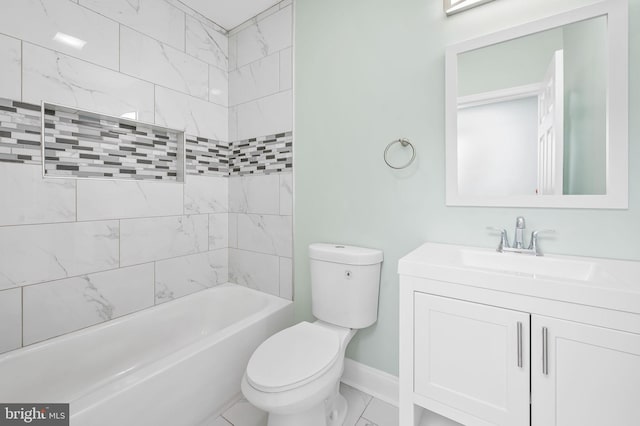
(69, 40)
(130, 115)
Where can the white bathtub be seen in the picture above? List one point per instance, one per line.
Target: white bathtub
(176, 364)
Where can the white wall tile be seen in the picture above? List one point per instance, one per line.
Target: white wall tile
(268, 36)
(254, 194)
(286, 194)
(59, 307)
(286, 278)
(285, 3)
(113, 199)
(58, 78)
(254, 270)
(195, 116)
(11, 70)
(185, 275)
(10, 319)
(156, 18)
(206, 194)
(286, 69)
(35, 253)
(206, 43)
(255, 80)
(233, 230)
(148, 59)
(218, 86)
(218, 231)
(266, 116)
(28, 198)
(144, 240)
(38, 21)
(268, 234)
(233, 123)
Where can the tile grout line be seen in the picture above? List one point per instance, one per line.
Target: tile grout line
(22, 317)
(22, 74)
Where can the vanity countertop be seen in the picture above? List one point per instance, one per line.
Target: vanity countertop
(598, 282)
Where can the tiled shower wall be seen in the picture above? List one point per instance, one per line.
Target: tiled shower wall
(261, 104)
(74, 253)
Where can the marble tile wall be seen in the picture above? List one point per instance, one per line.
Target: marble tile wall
(74, 253)
(260, 75)
(261, 232)
(132, 61)
(260, 126)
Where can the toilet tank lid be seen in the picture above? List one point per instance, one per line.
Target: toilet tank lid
(348, 255)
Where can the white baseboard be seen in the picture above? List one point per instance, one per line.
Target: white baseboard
(374, 382)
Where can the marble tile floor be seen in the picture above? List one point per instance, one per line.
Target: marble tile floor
(364, 410)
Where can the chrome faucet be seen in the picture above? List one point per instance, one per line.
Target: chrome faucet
(518, 239)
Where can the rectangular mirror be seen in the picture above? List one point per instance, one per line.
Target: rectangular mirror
(537, 115)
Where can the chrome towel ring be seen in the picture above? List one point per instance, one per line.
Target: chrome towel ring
(404, 142)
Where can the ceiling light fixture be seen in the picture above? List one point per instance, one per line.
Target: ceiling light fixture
(455, 6)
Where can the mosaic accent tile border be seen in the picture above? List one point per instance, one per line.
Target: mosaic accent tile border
(83, 144)
(262, 155)
(19, 132)
(206, 156)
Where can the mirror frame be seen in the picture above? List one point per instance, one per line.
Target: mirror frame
(617, 149)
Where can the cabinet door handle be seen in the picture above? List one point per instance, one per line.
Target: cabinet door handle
(545, 351)
(519, 328)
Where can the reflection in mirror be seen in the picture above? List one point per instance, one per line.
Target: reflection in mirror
(537, 114)
(532, 114)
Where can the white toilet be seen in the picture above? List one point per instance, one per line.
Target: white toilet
(295, 374)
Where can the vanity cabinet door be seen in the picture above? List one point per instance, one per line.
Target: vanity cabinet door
(472, 357)
(583, 375)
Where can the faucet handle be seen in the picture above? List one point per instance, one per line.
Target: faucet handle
(504, 240)
(533, 243)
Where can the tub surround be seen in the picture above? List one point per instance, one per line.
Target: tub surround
(96, 250)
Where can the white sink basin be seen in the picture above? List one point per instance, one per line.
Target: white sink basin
(614, 284)
(535, 266)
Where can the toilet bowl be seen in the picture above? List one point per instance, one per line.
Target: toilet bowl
(295, 374)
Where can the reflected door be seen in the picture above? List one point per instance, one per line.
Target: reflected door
(551, 129)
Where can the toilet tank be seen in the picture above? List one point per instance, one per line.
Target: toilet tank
(345, 283)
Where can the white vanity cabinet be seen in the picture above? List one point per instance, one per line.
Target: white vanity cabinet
(583, 375)
(473, 357)
(482, 346)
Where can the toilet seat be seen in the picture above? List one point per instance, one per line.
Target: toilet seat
(293, 357)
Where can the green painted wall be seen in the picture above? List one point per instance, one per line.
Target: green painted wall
(370, 71)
